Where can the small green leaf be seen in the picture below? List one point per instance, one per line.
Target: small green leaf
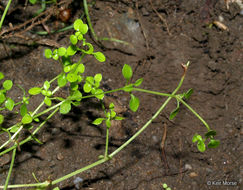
(174, 113)
(55, 57)
(84, 29)
(213, 143)
(108, 123)
(73, 39)
(62, 81)
(46, 85)
(113, 114)
(48, 53)
(196, 138)
(77, 95)
(119, 118)
(14, 129)
(65, 107)
(7, 84)
(9, 104)
(26, 119)
(23, 110)
(47, 101)
(72, 77)
(201, 146)
(67, 68)
(98, 77)
(87, 87)
(80, 68)
(61, 51)
(77, 24)
(66, 60)
(99, 94)
(71, 50)
(111, 106)
(134, 103)
(32, 1)
(188, 93)
(90, 80)
(210, 134)
(36, 139)
(2, 97)
(1, 75)
(1, 119)
(138, 82)
(99, 56)
(98, 121)
(34, 91)
(37, 119)
(127, 72)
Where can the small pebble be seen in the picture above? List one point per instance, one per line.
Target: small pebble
(77, 182)
(193, 174)
(188, 167)
(60, 156)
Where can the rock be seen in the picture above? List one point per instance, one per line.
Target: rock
(188, 167)
(193, 174)
(60, 156)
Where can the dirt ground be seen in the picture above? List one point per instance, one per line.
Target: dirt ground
(177, 32)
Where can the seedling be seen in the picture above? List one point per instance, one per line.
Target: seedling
(73, 76)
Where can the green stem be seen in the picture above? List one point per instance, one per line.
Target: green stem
(29, 138)
(86, 10)
(107, 142)
(194, 112)
(152, 92)
(10, 169)
(79, 171)
(4, 13)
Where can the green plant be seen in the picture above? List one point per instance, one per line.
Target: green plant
(165, 186)
(73, 76)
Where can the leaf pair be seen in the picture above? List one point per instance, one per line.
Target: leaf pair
(110, 115)
(201, 142)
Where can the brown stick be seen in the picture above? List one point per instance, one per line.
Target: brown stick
(162, 146)
(161, 18)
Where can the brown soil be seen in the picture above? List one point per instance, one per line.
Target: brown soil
(70, 142)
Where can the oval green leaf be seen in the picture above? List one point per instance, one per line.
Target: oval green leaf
(98, 121)
(71, 50)
(127, 72)
(9, 104)
(73, 39)
(87, 87)
(98, 77)
(213, 143)
(99, 56)
(47, 101)
(23, 109)
(72, 77)
(61, 51)
(7, 84)
(26, 119)
(48, 53)
(77, 24)
(62, 81)
(65, 107)
(34, 91)
(134, 103)
(138, 82)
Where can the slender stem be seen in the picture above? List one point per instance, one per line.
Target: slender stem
(79, 171)
(86, 10)
(4, 13)
(10, 169)
(194, 112)
(29, 138)
(107, 142)
(150, 121)
(153, 92)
